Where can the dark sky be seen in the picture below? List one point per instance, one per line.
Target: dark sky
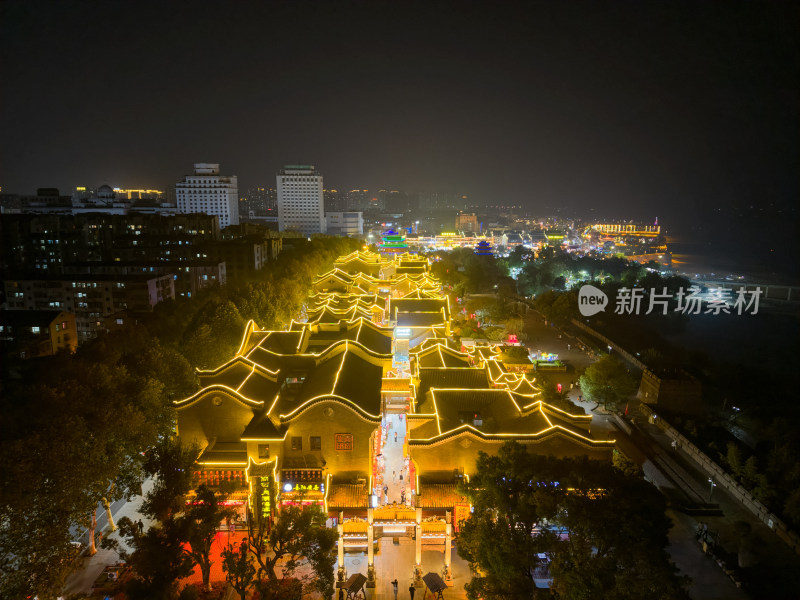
(636, 108)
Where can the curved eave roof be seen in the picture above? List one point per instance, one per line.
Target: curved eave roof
(555, 430)
(285, 418)
(216, 389)
(238, 361)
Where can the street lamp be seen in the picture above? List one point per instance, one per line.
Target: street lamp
(711, 490)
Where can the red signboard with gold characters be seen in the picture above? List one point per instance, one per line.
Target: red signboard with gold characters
(343, 441)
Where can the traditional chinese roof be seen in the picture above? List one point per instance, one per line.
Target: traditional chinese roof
(262, 428)
(460, 378)
(525, 388)
(420, 319)
(360, 262)
(376, 338)
(327, 314)
(411, 305)
(228, 454)
(501, 414)
(439, 355)
(439, 495)
(348, 495)
(345, 373)
(421, 293)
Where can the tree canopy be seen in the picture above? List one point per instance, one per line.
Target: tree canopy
(602, 533)
(608, 381)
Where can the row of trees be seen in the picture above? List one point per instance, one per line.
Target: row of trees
(75, 427)
(602, 532)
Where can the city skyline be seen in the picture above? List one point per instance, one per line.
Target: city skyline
(578, 106)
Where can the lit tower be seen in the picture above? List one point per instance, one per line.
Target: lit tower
(393, 243)
(484, 248)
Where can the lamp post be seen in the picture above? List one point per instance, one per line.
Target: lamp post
(711, 490)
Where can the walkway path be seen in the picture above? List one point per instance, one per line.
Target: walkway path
(80, 582)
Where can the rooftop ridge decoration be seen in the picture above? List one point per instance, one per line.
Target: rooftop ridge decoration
(333, 349)
(216, 387)
(538, 436)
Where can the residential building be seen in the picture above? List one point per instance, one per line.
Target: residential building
(357, 200)
(89, 297)
(209, 192)
(190, 276)
(33, 333)
(47, 243)
(300, 200)
(334, 201)
(349, 224)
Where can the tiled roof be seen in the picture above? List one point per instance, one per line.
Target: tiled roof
(417, 305)
(231, 376)
(439, 495)
(450, 378)
(348, 495)
(419, 319)
(261, 427)
(282, 342)
(441, 356)
(224, 457)
(495, 406)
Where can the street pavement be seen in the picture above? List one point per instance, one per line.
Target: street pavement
(80, 582)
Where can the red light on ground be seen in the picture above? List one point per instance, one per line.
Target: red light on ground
(558, 387)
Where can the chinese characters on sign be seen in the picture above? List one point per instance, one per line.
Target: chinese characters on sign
(309, 487)
(264, 496)
(343, 441)
(630, 301)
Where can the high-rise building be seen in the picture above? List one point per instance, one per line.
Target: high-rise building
(300, 200)
(345, 223)
(209, 192)
(334, 201)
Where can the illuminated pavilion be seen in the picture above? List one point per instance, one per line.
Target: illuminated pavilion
(369, 382)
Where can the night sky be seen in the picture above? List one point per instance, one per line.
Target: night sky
(636, 109)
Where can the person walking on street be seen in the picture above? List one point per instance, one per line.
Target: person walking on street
(395, 437)
(140, 526)
(411, 591)
(394, 588)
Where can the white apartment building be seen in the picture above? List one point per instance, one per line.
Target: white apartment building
(300, 204)
(345, 223)
(209, 192)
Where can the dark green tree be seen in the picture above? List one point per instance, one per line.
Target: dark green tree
(239, 569)
(158, 560)
(171, 463)
(604, 532)
(298, 536)
(198, 526)
(608, 381)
